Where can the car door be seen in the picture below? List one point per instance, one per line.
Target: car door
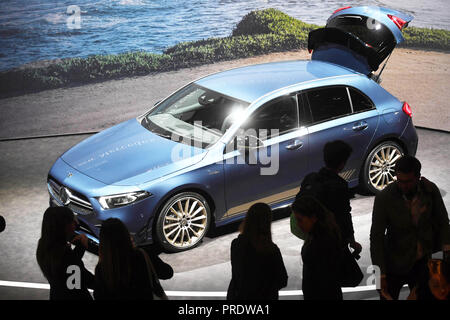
(335, 117)
(272, 172)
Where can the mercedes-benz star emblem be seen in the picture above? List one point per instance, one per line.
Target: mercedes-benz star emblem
(64, 196)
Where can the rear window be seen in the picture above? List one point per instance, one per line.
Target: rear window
(328, 103)
(359, 101)
(370, 31)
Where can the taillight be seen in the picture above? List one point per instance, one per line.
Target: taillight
(342, 9)
(400, 23)
(407, 109)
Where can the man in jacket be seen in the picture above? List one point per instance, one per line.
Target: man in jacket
(332, 190)
(409, 223)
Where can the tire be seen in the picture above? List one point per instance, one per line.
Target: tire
(379, 166)
(183, 222)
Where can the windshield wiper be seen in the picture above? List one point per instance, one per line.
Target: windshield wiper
(146, 124)
(167, 136)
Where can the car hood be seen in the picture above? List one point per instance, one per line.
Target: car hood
(130, 154)
(359, 38)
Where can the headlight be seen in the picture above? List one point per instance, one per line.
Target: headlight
(123, 199)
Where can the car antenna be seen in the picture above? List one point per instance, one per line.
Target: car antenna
(377, 77)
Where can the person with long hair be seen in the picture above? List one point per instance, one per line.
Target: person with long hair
(123, 271)
(258, 270)
(322, 250)
(61, 265)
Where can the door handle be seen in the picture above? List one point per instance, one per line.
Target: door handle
(296, 145)
(360, 126)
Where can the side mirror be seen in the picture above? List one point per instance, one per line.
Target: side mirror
(244, 143)
(248, 142)
(248, 147)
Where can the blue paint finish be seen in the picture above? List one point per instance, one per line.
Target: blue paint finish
(252, 82)
(123, 151)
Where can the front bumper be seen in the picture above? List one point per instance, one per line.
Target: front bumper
(68, 187)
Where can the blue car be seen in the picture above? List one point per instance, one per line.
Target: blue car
(206, 153)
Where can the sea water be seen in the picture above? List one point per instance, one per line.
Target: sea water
(32, 30)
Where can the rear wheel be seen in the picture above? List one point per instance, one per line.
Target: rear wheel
(379, 167)
(183, 222)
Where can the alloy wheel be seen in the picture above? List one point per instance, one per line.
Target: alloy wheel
(185, 222)
(382, 165)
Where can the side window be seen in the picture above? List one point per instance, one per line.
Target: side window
(327, 103)
(359, 101)
(280, 114)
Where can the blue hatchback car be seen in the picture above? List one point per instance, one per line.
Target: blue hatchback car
(210, 150)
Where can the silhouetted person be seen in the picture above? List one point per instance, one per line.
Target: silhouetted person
(122, 272)
(258, 270)
(61, 265)
(409, 223)
(332, 190)
(2, 224)
(436, 286)
(321, 252)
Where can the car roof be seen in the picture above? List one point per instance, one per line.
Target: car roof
(252, 82)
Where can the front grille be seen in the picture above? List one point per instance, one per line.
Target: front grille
(65, 196)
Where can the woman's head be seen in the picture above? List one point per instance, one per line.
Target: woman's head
(309, 212)
(58, 226)
(114, 237)
(115, 251)
(257, 224)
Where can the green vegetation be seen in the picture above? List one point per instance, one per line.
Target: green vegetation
(259, 32)
(426, 38)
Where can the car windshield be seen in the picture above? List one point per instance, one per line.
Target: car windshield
(373, 33)
(194, 115)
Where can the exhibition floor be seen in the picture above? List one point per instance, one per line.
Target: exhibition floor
(201, 273)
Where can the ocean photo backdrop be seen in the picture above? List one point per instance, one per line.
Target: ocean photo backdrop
(33, 30)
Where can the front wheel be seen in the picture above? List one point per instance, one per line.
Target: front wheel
(379, 167)
(183, 222)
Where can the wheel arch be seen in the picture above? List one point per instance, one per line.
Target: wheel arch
(185, 188)
(374, 145)
(384, 139)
